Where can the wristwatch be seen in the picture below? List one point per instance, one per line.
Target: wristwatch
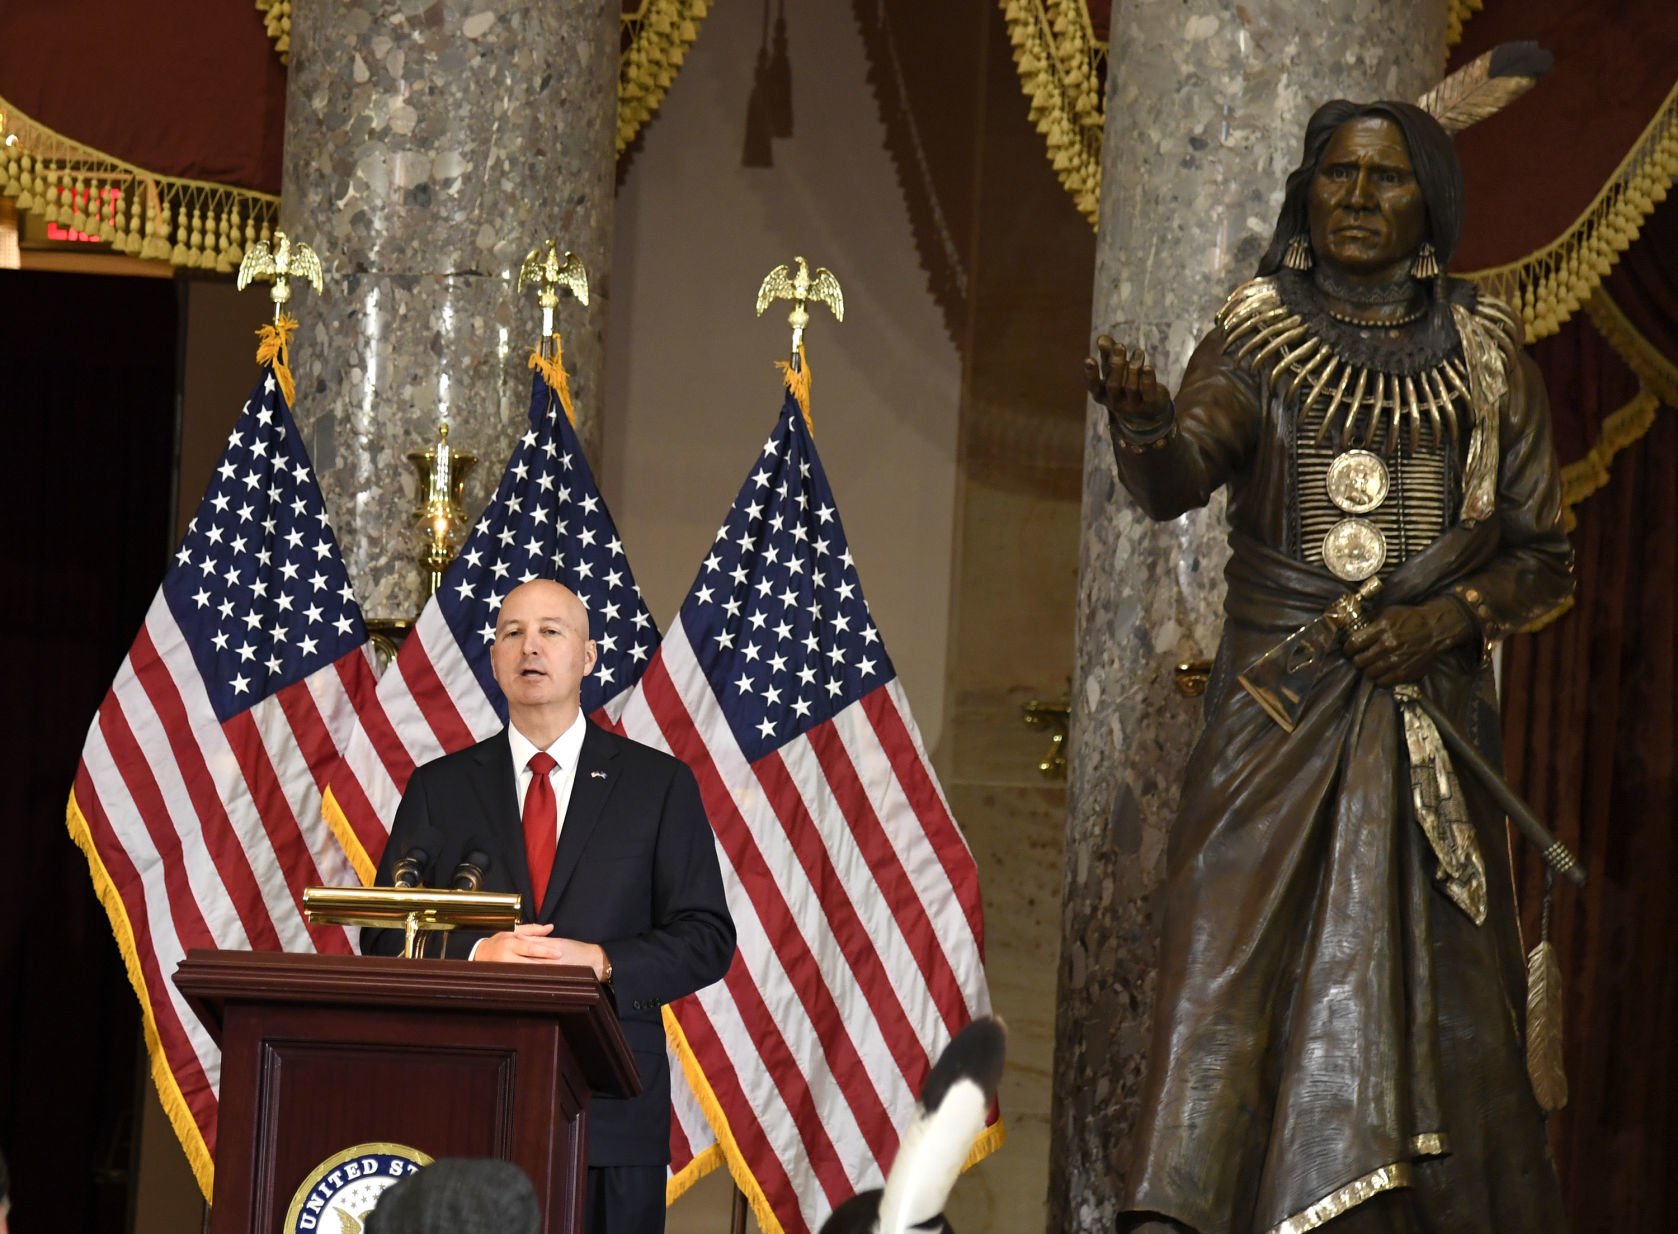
(605, 967)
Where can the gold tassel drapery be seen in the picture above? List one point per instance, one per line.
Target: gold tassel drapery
(1550, 284)
(197, 224)
(189, 223)
(656, 39)
(1061, 65)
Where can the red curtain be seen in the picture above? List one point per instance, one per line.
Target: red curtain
(1591, 717)
(1535, 167)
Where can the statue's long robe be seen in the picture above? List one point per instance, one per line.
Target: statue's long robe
(1329, 1025)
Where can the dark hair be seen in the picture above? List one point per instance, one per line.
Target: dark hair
(458, 1195)
(1431, 154)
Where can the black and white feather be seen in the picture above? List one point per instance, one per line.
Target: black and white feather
(956, 1100)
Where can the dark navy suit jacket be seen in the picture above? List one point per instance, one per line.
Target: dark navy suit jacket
(635, 871)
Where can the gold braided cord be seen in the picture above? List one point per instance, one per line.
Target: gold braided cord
(1061, 62)
(188, 223)
(1622, 428)
(656, 39)
(1657, 379)
(1548, 285)
(1653, 369)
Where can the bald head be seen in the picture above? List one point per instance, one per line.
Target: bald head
(543, 595)
(542, 653)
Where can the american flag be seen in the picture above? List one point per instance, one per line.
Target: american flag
(853, 892)
(198, 797)
(547, 520)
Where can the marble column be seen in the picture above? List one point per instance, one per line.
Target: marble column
(429, 145)
(1205, 111)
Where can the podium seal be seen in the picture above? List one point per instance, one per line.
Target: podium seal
(339, 1194)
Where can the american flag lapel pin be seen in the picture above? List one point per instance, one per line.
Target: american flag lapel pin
(597, 775)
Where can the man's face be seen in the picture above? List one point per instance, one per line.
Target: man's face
(542, 649)
(1366, 210)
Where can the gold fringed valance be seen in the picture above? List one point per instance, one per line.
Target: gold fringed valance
(276, 22)
(188, 223)
(1548, 285)
(1061, 65)
(656, 39)
(1457, 13)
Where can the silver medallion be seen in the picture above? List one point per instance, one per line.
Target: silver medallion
(1358, 481)
(1354, 549)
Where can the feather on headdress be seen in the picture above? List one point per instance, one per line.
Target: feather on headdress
(1486, 84)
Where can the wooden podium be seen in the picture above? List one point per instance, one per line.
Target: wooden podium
(321, 1053)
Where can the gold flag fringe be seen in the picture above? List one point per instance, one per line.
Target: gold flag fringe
(797, 382)
(273, 346)
(188, 223)
(338, 823)
(655, 39)
(1060, 62)
(1550, 284)
(553, 372)
(163, 1076)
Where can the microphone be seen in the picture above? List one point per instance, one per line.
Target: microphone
(411, 870)
(469, 874)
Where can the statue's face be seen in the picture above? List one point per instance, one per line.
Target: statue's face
(1366, 210)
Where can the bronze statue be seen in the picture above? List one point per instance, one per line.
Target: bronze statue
(1338, 1037)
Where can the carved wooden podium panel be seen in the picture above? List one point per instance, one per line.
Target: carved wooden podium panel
(321, 1053)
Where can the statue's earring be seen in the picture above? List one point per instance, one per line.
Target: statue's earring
(1297, 256)
(1426, 265)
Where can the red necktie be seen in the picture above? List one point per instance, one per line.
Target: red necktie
(541, 826)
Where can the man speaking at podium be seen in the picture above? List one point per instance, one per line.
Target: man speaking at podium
(607, 841)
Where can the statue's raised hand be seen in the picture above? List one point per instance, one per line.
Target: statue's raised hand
(1125, 385)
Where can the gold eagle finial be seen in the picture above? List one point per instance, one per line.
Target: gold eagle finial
(544, 266)
(801, 289)
(285, 262)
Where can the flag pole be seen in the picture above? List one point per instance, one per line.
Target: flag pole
(544, 268)
(801, 288)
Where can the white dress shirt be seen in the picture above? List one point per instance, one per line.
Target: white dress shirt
(566, 750)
